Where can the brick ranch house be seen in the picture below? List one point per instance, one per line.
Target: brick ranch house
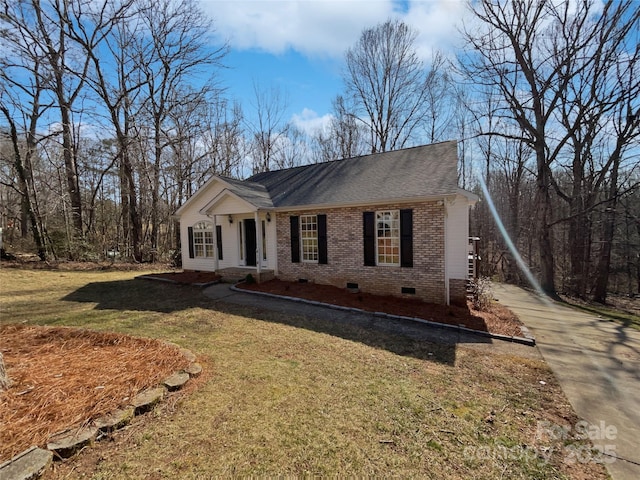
(393, 223)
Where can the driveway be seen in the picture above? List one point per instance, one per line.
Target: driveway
(597, 363)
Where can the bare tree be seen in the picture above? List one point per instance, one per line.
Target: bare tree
(533, 53)
(172, 51)
(107, 38)
(26, 185)
(67, 73)
(344, 137)
(268, 129)
(21, 91)
(389, 84)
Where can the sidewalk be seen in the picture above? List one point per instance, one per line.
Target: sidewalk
(597, 363)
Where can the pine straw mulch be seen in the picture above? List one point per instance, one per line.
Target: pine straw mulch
(65, 377)
(495, 319)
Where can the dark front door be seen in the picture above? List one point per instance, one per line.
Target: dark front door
(250, 242)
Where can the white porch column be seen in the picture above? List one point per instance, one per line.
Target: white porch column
(216, 254)
(258, 244)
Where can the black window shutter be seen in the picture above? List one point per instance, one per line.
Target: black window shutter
(322, 239)
(369, 234)
(295, 239)
(190, 236)
(219, 240)
(406, 238)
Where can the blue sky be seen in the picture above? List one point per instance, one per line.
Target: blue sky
(297, 46)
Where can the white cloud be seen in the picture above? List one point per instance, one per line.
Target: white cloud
(436, 23)
(327, 27)
(309, 122)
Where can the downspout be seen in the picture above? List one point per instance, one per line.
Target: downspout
(447, 293)
(258, 243)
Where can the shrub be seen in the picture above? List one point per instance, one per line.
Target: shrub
(483, 293)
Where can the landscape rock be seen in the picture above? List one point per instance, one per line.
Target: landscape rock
(176, 381)
(195, 369)
(144, 401)
(188, 355)
(114, 420)
(65, 444)
(30, 464)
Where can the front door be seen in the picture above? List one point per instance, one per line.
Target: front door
(250, 242)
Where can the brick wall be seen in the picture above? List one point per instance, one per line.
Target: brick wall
(458, 291)
(346, 255)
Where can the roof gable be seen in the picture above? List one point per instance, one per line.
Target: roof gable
(253, 193)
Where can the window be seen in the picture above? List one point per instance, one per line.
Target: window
(203, 239)
(388, 237)
(309, 237)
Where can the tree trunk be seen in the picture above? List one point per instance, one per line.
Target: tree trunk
(608, 230)
(71, 170)
(5, 383)
(133, 221)
(543, 210)
(579, 227)
(25, 184)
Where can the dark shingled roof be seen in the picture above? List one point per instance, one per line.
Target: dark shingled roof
(425, 171)
(252, 192)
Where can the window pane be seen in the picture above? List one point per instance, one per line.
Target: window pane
(203, 239)
(309, 237)
(388, 237)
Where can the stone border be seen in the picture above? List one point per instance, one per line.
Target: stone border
(35, 461)
(526, 339)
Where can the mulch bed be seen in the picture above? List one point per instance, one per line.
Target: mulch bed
(497, 318)
(64, 377)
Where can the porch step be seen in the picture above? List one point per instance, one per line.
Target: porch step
(234, 275)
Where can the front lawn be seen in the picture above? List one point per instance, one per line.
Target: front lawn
(290, 395)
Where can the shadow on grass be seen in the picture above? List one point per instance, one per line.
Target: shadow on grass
(138, 295)
(361, 328)
(401, 337)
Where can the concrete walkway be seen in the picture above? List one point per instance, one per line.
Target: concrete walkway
(597, 363)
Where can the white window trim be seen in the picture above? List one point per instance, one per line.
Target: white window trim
(396, 214)
(310, 240)
(202, 228)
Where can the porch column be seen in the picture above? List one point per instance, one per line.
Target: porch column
(258, 244)
(216, 254)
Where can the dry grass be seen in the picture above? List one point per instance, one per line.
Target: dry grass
(290, 395)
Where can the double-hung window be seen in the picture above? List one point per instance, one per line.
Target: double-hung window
(309, 238)
(388, 237)
(203, 239)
